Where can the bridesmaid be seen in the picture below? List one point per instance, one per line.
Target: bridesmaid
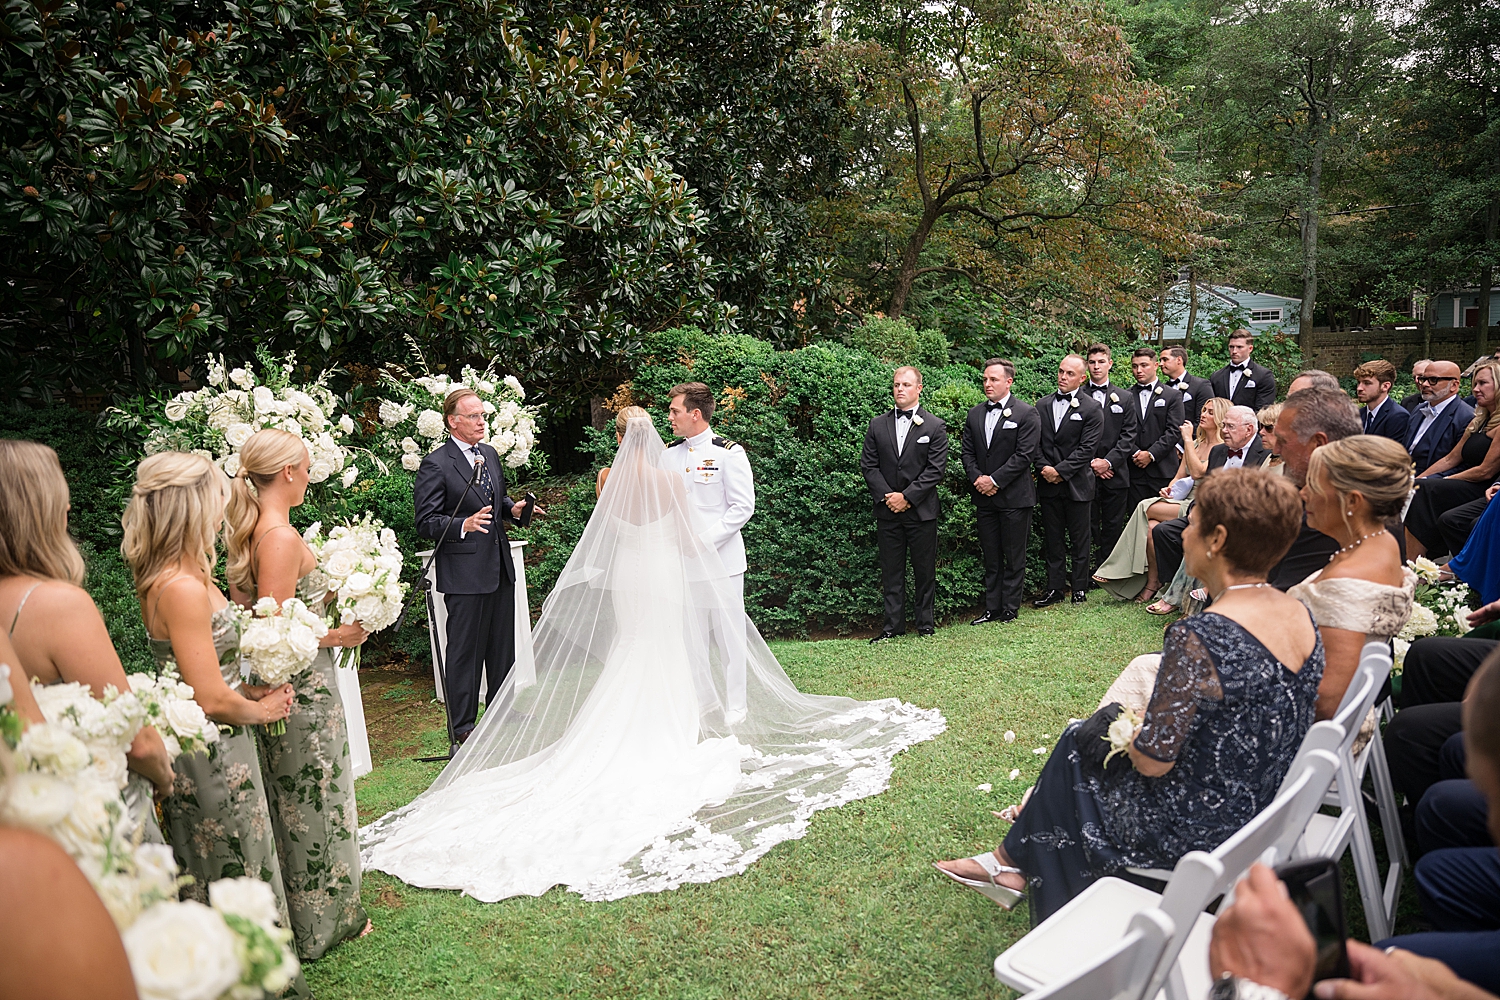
(217, 819)
(308, 772)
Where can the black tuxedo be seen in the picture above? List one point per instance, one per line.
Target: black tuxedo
(1261, 394)
(915, 473)
(1390, 421)
(1003, 520)
(1068, 446)
(1166, 537)
(475, 574)
(1200, 390)
(1116, 445)
(1410, 403)
(1159, 432)
(1255, 453)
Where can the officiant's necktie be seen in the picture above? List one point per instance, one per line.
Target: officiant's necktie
(485, 482)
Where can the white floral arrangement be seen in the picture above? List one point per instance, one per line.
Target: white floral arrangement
(170, 707)
(411, 417)
(1440, 607)
(217, 420)
(359, 563)
(98, 731)
(233, 950)
(280, 641)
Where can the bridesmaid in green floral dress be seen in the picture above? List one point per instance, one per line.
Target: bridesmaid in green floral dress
(218, 821)
(309, 779)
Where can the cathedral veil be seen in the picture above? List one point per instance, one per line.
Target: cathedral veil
(639, 607)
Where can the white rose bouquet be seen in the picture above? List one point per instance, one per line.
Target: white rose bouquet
(171, 709)
(411, 419)
(104, 727)
(217, 420)
(280, 641)
(1440, 607)
(359, 563)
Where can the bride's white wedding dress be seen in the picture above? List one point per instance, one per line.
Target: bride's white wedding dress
(616, 773)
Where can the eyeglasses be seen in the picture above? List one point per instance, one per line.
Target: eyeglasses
(470, 416)
(1268, 428)
(1432, 379)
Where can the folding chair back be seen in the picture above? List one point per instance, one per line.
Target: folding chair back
(1124, 973)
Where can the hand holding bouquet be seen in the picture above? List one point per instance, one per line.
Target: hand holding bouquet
(359, 567)
(171, 709)
(280, 641)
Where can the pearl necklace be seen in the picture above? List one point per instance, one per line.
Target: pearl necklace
(1355, 544)
(1240, 586)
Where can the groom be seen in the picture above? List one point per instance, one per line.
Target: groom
(475, 573)
(722, 491)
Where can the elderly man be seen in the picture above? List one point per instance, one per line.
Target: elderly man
(1410, 403)
(1439, 422)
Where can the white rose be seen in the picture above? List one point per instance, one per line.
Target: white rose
(319, 470)
(185, 717)
(430, 424)
(94, 820)
(346, 424)
(177, 409)
(245, 897)
(232, 465)
(109, 766)
(36, 801)
(182, 951)
(265, 399)
(485, 386)
(242, 378)
(349, 476)
(409, 447)
(54, 749)
(358, 584)
(341, 563)
(236, 434)
(411, 463)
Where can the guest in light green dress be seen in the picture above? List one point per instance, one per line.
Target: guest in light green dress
(308, 774)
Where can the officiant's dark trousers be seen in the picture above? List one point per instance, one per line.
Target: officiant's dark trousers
(896, 537)
(1003, 534)
(481, 642)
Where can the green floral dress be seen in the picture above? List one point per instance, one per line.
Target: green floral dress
(310, 788)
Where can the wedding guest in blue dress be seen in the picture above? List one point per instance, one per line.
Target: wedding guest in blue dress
(1478, 562)
(1235, 693)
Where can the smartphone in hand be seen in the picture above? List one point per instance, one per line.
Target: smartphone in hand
(1317, 890)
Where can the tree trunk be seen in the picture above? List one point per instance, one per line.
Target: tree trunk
(1161, 315)
(1187, 336)
(907, 276)
(1487, 277)
(1310, 197)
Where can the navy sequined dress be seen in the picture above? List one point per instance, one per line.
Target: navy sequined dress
(1230, 716)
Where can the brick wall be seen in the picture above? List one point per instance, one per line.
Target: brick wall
(1340, 353)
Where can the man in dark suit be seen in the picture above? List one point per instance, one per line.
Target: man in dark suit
(1159, 410)
(1439, 422)
(474, 569)
(904, 458)
(1380, 414)
(1242, 381)
(1195, 391)
(1410, 403)
(1072, 424)
(1000, 441)
(1111, 463)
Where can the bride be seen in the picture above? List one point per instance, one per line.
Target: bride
(615, 772)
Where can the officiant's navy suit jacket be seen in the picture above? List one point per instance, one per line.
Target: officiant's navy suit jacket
(1006, 458)
(1447, 427)
(915, 473)
(478, 563)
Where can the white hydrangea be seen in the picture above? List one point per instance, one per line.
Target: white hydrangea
(1422, 622)
(430, 424)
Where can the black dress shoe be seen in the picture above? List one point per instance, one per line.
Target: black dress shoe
(1080, 597)
(988, 616)
(926, 630)
(1006, 616)
(1048, 599)
(882, 637)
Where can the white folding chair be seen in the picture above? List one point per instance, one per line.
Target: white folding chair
(1124, 973)
(1093, 923)
(1330, 835)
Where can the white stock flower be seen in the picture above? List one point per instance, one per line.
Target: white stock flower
(485, 386)
(236, 434)
(505, 415)
(215, 372)
(515, 386)
(410, 462)
(245, 897)
(242, 378)
(430, 424)
(182, 951)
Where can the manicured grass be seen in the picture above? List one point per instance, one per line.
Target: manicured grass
(854, 909)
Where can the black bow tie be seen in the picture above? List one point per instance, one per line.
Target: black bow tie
(989, 405)
(905, 413)
(1144, 388)
(1237, 368)
(1065, 395)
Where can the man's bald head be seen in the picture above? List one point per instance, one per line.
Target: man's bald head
(1439, 381)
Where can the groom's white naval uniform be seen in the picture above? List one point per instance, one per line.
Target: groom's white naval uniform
(721, 492)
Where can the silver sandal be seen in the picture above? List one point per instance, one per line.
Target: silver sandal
(1002, 895)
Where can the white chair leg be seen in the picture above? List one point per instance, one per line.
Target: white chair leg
(1385, 798)
(1371, 885)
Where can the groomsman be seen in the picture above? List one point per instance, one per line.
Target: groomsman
(1195, 391)
(1242, 381)
(1000, 440)
(1072, 424)
(1380, 414)
(1111, 463)
(1159, 432)
(904, 458)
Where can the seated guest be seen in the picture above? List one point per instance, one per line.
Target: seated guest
(1380, 414)
(1266, 419)
(1353, 487)
(57, 632)
(1477, 544)
(1420, 740)
(1234, 696)
(1463, 474)
(1314, 378)
(1120, 574)
(1436, 425)
(1410, 403)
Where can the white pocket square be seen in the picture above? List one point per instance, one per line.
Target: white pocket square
(1251, 383)
(1008, 425)
(1116, 408)
(1161, 402)
(1075, 416)
(923, 439)
(1187, 395)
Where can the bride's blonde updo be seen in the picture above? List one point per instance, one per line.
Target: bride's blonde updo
(263, 456)
(174, 513)
(623, 418)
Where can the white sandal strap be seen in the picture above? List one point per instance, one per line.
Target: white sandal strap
(992, 867)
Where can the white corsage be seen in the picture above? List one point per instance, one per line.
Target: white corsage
(1121, 732)
(1005, 412)
(1158, 390)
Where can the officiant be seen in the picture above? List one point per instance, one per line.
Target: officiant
(475, 573)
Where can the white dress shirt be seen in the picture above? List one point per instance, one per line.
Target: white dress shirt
(1060, 407)
(992, 419)
(903, 427)
(1144, 398)
(1235, 374)
(1429, 412)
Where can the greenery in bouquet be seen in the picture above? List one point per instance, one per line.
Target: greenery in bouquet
(280, 641)
(170, 708)
(217, 420)
(1440, 607)
(359, 564)
(411, 416)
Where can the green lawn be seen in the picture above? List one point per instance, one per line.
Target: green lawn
(852, 910)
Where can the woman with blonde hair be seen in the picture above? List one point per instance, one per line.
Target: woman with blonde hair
(1462, 475)
(1266, 417)
(58, 634)
(309, 776)
(622, 421)
(218, 821)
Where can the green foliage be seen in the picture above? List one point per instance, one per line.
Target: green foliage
(897, 342)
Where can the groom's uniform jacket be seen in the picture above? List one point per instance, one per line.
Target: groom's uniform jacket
(476, 563)
(720, 491)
